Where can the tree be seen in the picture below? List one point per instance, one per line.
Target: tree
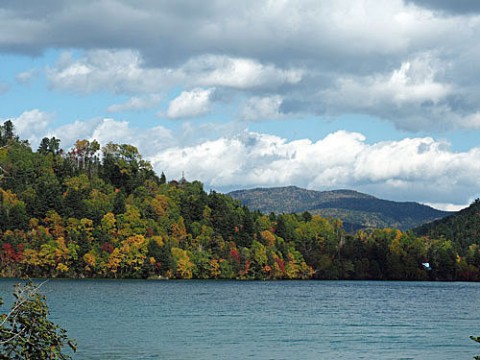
(119, 206)
(184, 266)
(163, 178)
(12, 211)
(7, 133)
(27, 333)
(124, 167)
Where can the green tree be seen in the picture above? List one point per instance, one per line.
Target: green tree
(124, 167)
(163, 178)
(7, 133)
(12, 211)
(27, 333)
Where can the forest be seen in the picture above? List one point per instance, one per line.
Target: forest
(96, 211)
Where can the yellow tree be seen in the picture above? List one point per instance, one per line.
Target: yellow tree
(62, 256)
(90, 261)
(134, 250)
(214, 268)
(108, 228)
(114, 261)
(183, 265)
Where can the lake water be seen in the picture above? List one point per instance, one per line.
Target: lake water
(134, 319)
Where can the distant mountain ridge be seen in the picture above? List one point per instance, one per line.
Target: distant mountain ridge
(357, 210)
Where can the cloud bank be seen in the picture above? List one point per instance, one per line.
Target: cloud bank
(411, 63)
(420, 167)
(414, 169)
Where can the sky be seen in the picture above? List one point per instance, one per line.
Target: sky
(381, 97)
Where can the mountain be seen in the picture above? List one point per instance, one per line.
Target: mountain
(462, 227)
(357, 210)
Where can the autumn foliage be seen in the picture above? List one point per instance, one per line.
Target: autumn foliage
(97, 211)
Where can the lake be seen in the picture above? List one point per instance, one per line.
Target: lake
(135, 319)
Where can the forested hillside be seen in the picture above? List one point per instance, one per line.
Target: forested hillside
(94, 211)
(462, 228)
(355, 209)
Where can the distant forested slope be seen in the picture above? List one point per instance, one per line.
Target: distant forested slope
(462, 228)
(356, 210)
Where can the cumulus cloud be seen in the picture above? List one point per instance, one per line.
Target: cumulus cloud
(405, 95)
(119, 71)
(448, 207)
(410, 62)
(411, 169)
(196, 102)
(149, 141)
(329, 57)
(284, 29)
(239, 72)
(420, 169)
(32, 124)
(124, 72)
(77, 130)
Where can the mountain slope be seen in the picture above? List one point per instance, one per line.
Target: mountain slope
(462, 227)
(357, 210)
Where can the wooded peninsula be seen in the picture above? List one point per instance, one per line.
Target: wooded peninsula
(102, 212)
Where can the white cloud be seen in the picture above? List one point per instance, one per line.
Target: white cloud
(119, 71)
(136, 104)
(259, 29)
(448, 207)
(149, 141)
(238, 73)
(32, 124)
(412, 169)
(385, 61)
(196, 102)
(78, 130)
(124, 72)
(410, 91)
(262, 108)
(414, 67)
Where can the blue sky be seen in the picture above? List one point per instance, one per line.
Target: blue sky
(379, 97)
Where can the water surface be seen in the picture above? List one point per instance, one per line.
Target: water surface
(134, 319)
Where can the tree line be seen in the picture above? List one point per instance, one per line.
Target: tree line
(94, 211)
